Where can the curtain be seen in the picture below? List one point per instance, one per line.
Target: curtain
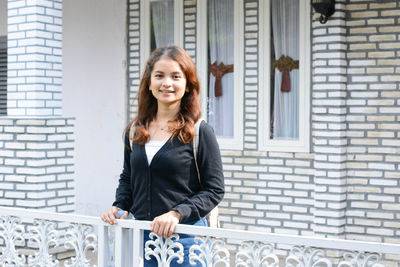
(162, 16)
(221, 45)
(285, 28)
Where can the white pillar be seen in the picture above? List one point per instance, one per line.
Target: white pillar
(329, 125)
(34, 58)
(36, 143)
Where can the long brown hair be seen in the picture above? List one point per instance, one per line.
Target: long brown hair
(190, 111)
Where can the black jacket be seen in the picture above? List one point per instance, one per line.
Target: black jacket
(171, 182)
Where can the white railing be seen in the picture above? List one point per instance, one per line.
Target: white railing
(31, 238)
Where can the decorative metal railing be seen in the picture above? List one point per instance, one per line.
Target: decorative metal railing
(31, 237)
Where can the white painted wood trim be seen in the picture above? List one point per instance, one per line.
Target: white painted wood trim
(235, 143)
(313, 241)
(265, 143)
(144, 33)
(202, 54)
(145, 29)
(178, 23)
(125, 226)
(137, 248)
(118, 246)
(102, 247)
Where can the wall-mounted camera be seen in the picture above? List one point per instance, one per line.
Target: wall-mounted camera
(325, 7)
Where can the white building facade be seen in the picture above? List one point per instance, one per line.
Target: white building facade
(340, 177)
(337, 174)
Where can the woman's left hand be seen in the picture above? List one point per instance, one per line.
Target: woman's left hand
(164, 225)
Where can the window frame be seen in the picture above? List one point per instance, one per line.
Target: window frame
(236, 142)
(145, 29)
(302, 144)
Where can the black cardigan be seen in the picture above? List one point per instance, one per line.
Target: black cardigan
(171, 182)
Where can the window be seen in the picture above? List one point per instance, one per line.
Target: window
(162, 22)
(3, 75)
(219, 62)
(284, 75)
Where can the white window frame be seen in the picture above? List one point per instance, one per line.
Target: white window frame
(145, 29)
(235, 143)
(302, 144)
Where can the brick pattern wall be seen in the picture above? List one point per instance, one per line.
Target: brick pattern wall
(265, 191)
(251, 29)
(134, 59)
(329, 122)
(37, 163)
(36, 142)
(133, 55)
(373, 154)
(347, 186)
(189, 27)
(3, 75)
(34, 57)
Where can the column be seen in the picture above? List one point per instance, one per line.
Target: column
(36, 141)
(329, 123)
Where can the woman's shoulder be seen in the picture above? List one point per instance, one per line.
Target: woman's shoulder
(207, 138)
(206, 129)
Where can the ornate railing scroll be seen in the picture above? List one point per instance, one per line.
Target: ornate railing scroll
(256, 254)
(43, 235)
(27, 241)
(209, 251)
(164, 250)
(359, 259)
(46, 232)
(307, 257)
(81, 238)
(11, 231)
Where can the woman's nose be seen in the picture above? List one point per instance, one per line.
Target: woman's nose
(167, 82)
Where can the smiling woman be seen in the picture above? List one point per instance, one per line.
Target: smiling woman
(159, 181)
(166, 64)
(168, 83)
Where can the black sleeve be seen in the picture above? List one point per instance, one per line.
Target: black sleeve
(211, 175)
(123, 195)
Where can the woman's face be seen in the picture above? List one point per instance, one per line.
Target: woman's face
(167, 81)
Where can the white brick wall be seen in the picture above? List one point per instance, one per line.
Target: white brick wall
(36, 171)
(348, 185)
(34, 57)
(133, 54)
(36, 148)
(190, 28)
(373, 204)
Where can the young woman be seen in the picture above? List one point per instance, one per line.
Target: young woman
(159, 181)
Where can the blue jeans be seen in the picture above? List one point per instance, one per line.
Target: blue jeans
(186, 240)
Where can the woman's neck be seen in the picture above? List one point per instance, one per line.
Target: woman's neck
(166, 113)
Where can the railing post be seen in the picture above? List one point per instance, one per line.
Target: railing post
(137, 247)
(304, 250)
(103, 240)
(127, 245)
(118, 246)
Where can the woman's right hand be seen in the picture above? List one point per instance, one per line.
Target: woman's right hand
(111, 215)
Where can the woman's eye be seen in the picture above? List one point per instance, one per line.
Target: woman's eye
(177, 76)
(158, 75)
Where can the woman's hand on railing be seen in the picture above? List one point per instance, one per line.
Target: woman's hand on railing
(164, 225)
(112, 214)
